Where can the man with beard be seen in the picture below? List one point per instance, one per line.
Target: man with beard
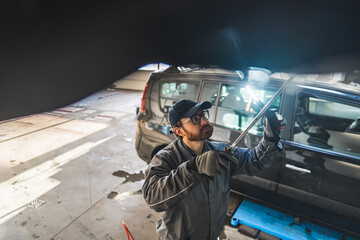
(189, 178)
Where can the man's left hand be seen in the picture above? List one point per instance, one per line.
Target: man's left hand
(274, 123)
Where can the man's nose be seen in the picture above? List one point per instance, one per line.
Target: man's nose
(204, 121)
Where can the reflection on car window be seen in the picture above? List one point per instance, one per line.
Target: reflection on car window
(327, 124)
(236, 107)
(171, 92)
(209, 93)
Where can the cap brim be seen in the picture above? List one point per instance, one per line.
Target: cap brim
(192, 111)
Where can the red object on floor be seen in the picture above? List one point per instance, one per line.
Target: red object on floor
(127, 231)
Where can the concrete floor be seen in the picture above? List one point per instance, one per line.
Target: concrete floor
(82, 162)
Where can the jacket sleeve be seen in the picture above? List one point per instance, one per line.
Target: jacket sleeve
(166, 182)
(256, 160)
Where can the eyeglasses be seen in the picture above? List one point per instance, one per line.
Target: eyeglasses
(196, 119)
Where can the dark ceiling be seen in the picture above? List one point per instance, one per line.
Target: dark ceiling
(53, 53)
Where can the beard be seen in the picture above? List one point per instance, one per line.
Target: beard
(206, 132)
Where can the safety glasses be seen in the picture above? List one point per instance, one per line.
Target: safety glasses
(196, 119)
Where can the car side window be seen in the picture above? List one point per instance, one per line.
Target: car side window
(171, 92)
(328, 124)
(209, 93)
(237, 107)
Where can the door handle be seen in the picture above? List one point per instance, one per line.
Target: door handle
(301, 170)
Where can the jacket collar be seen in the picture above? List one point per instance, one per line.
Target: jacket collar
(188, 152)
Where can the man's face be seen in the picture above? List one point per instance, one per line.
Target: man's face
(198, 132)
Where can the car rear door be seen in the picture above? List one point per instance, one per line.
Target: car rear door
(321, 167)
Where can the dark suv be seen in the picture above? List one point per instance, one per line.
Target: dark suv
(317, 176)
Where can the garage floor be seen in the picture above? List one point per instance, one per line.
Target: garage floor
(73, 173)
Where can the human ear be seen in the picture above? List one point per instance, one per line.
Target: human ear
(178, 131)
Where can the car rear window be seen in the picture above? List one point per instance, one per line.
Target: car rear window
(171, 92)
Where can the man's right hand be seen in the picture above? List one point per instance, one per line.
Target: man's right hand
(213, 163)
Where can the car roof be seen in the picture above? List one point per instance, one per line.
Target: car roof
(344, 82)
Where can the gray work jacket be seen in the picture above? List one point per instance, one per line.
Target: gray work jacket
(195, 206)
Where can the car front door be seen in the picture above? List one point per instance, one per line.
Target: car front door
(321, 167)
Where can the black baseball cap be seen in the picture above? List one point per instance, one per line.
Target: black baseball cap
(185, 108)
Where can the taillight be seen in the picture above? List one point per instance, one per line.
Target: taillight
(143, 99)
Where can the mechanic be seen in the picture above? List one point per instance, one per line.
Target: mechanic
(189, 178)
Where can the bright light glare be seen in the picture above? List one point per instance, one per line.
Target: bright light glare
(251, 91)
(258, 75)
(248, 87)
